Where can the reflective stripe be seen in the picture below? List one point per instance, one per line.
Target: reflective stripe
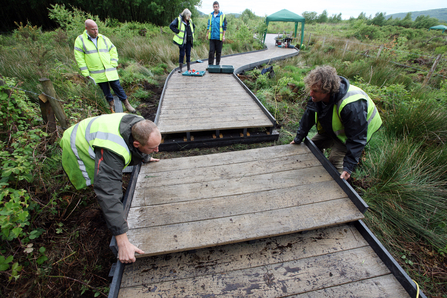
(103, 136)
(104, 50)
(75, 151)
(83, 68)
(372, 115)
(83, 44)
(105, 42)
(103, 70)
(114, 60)
(78, 49)
(91, 52)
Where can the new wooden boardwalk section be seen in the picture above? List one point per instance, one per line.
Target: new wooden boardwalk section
(215, 102)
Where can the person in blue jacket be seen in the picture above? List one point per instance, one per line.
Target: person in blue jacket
(217, 26)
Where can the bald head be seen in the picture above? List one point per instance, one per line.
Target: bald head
(92, 28)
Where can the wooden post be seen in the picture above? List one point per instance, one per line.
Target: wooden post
(50, 93)
(324, 39)
(380, 51)
(431, 70)
(310, 35)
(47, 113)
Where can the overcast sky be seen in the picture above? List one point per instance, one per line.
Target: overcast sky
(348, 8)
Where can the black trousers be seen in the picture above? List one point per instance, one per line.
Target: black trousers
(215, 46)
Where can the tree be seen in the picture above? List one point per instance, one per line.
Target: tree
(425, 22)
(322, 18)
(310, 16)
(379, 19)
(335, 18)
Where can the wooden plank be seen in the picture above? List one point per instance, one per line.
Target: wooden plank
(275, 280)
(199, 234)
(386, 286)
(228, 109)
(235, 170)
(164, 129)
(146, 195)
(238, 256)
(264, 154)
(214, 118)
(148, 216)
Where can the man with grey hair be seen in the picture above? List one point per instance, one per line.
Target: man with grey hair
(183, 27)
(96, 150)
(97, 58)
(345, 117)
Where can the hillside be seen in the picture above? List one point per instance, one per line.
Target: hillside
(440, 14)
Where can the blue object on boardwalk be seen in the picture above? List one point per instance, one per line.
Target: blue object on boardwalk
(197, 73)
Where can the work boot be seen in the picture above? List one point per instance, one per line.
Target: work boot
(128, 106)
(188, 66)
(181, 66)
(112, 106)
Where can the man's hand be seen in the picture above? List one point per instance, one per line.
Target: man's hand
(153, 159)
(223, 38)
(345, 175)
(126, 250)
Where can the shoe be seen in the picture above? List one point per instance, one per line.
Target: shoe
(188, 65)
(128, 106)
(112, 106)
(180, 67)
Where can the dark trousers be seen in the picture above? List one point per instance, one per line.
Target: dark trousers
(215, 46)
(185, 48)
(116, 86)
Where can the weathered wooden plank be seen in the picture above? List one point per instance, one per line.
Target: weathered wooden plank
(148, 216)
(210, 104)
(256, 253)
(218, 172)
(167, 129)
(264, 154)
(219, 117)
(386, 286)
(227, 109)
(199, 234)
(146, 195)
(276, 280)
(225, 115)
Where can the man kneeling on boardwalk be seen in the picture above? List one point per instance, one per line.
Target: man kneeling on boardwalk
(345, 116)
(96, 150)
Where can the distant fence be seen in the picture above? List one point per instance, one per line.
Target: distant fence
(396, 56)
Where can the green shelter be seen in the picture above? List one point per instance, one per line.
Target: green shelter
(439, 27)
(286, 16)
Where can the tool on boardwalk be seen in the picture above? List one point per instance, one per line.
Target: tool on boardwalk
(194, 73)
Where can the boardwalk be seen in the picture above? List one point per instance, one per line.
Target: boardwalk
(215, 102)
(268, 222)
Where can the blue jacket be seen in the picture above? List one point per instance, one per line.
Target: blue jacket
(214, 26)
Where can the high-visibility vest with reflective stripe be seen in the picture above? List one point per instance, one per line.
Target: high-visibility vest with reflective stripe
(354, 94)
(98, 62)
(221, 21)
(78, 146)
(179, 38)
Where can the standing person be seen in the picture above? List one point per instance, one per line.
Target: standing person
(183, 27)
(96, 150)
(217, 26)
(345, 116)
(97, 58)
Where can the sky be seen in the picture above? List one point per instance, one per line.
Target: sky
(348, 8)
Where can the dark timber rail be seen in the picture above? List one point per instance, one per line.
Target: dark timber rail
(269, 222)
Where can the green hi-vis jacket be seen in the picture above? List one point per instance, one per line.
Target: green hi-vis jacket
(98, 62)
(179, 38)
(79, 142)
(354, 94)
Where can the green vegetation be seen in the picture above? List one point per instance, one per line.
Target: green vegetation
(53, 238)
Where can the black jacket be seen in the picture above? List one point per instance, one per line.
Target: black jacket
(353, 117)
(108, 177)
